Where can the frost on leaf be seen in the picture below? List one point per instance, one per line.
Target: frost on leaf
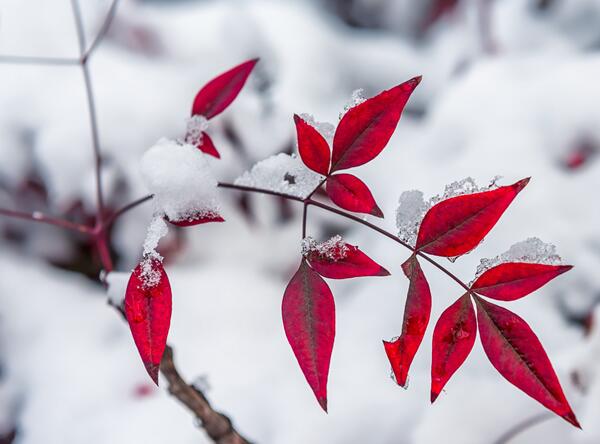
(532, 251)
(282, 173)
(183, 185)
(412, 207)
(336, 259)
(326, 129)
(357, 98)
(195, 127)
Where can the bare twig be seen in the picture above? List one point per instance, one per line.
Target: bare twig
(523, 426)
(36, 216)
(103, 30)
(27, 60)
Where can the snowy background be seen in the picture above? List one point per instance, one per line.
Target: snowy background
(510, 88)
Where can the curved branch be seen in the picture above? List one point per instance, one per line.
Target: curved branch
(523, 426)
(36, 216)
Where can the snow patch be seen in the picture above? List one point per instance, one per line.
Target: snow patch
(195, 126)
(117, 285)
(333, 249)
(326, 129)
(282, 173)
(181, 180)
(356, 99)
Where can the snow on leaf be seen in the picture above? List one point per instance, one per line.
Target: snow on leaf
(218, 94)
(516, 352)
(456, 225)
(326, 129)
(417, 310)
(313, 148)
(148, 312)
(352, 194)
(195, 127)
(282, 173)
(335, 259)
(181, 180)
(453, 339)
(356, 99)
(366, 128)
(308, 312)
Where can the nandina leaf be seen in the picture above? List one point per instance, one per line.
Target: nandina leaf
(148, 312)
(218, 94)
(197, 219)
(207, 146)
(516, 352)
(453, 339)
(312, 146)
(347, 262)
(513, 280)
(366, 128)
(308, 313)
(457, 225)
(416, 317)
(351, 193)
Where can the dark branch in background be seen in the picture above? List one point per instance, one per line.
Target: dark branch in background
(216, 425)
(523, 426)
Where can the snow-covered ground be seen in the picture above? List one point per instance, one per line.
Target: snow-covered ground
(528, 105)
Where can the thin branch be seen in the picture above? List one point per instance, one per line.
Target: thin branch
(78, 26)
(130, 206)
(304, 217)
(103, 30)
(523, 426)
(217, 426)
(32, 60)
(36, 216)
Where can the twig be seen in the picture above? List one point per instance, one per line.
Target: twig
(26, 60)
(523, 426)
(103, 30)
(36, 216)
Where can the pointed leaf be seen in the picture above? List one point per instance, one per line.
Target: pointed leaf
(453, 339)
(516, 352)
(366, 128)
(348, 262)
(148, 312)
(312, 146)
(218, 94)
(309, 321)
(513, 280)
(350, 193)
(197, 219)
(457, 225)
(207, 146)
(417, 310)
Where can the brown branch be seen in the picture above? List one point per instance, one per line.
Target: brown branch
(216, 425)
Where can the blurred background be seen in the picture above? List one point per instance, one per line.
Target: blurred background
(510, 88)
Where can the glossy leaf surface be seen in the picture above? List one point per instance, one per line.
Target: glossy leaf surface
(350, 193)
(312, 146)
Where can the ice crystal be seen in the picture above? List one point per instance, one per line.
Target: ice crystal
(333, 249)
(196, 125)
(356, 99)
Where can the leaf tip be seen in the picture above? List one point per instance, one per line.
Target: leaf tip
(434, 396)
(376, 211)
(521, 184)
(415, 81)
(383, 272)
(572, 419)
(152, 370)
(323, 404)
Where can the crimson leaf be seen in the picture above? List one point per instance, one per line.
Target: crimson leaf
(516, 352)
(513, 280)
(453, 339)
(366, 128)
(148, 312)
(207, 146)
(197, 219)
(416, 317)
(308, 313)
(218, 94)
(457, 225)
(313, 148)
(347, 262)
(350, 193)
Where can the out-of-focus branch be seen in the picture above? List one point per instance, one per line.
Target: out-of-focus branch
(521, 427)
(216, 425)
(36, 216)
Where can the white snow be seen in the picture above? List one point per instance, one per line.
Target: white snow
(181, 180)
(356, 99)
(195, 126)
(334, 249)
(117, 284)
(282, 173)
(326, 129)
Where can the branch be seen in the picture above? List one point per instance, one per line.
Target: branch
(27, 60)
(36, 216)
(523, 426)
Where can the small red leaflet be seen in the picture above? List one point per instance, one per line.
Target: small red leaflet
(218, 94)
(417, 310)
(308, 312)
(516, 352)
(313, 148)
(455, 226)
(207, 146)
(365, 129)
(513, 280)
(350, 193)
(148, 312)
(453, 339)
(197, 219)
(344, 261)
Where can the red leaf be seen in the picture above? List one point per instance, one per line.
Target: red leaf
(416, 317)
(309, 321)
(513, 280)
(366, 128)
(453, 339)
(207, 146)
(457, 225)
(197, 219)
(218, 94)
(148, 312)
(350, 193)
(347, 262)
(313, 148)
(516, 352)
